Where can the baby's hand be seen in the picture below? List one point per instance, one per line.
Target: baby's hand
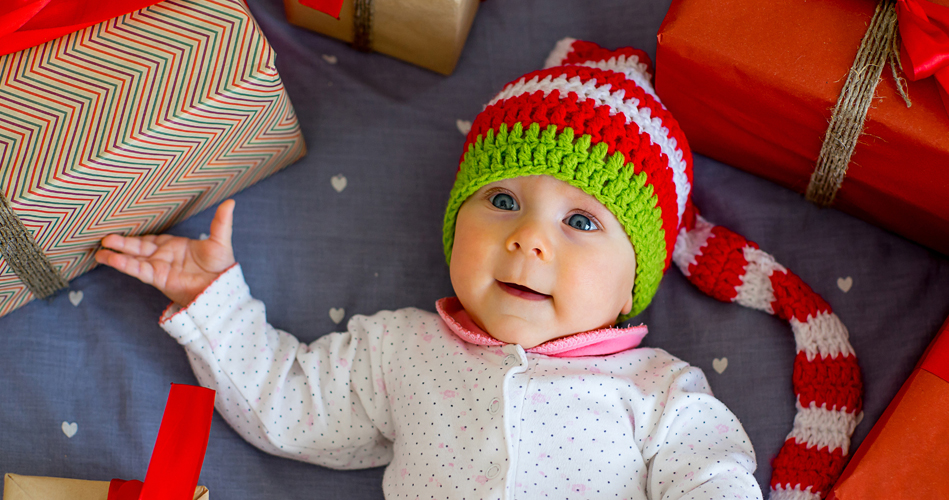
(180, 267)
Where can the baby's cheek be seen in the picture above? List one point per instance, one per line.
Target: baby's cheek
(602, 286)
(581, 290)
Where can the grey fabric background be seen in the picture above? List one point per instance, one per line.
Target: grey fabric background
(389, 128)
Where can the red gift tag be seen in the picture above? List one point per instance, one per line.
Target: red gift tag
(331, 7)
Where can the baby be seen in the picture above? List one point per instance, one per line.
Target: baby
(571, 200)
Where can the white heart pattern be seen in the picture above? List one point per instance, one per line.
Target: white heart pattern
(70, 429)
(720, 364)
(204, 236)
(330, 59)
(75, 297)
(339, 182)
(844, 284)
(464, 126)
(337, 314)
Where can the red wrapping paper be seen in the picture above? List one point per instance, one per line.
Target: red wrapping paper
(906, 453)
(753, 85)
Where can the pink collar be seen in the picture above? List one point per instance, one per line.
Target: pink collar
(592, 343)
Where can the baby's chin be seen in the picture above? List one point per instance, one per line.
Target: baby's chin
(511, 330)
(523, 332)
(528, 331)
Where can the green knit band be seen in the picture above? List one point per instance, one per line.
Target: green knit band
(516, 153)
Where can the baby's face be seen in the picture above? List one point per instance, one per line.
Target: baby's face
(535, 259)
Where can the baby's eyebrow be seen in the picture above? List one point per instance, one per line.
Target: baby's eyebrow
(593, 206)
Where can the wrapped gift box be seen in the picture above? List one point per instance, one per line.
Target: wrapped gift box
(753, 84)
(16, 487)
(428, 33)
(129, 126)
(905, 454)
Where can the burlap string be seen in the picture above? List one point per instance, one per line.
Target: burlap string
(846, 124)
(25, 257)
(362, 25)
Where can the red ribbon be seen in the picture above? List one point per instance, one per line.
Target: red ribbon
(936, 358)
(924, 28)
(331, 7)
(179, 449)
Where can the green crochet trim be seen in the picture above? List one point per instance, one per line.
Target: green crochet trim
(516, 153)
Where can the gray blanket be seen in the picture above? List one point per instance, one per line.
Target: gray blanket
(390, 129)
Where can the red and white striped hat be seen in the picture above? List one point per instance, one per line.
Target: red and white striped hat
(592, 119)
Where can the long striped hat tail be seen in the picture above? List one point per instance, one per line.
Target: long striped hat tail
(826, 377)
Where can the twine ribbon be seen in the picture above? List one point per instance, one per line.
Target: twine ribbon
(362, 25)
(879, 45)
(916, 29)
(362, 18)
(25, 256)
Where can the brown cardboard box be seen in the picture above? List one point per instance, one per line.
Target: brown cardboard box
(17, 487)
(427, 33)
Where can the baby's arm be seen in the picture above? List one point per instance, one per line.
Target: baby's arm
(324, 403)
(697, 448)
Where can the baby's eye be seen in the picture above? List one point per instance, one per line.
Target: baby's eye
(581, 222)
(504, 201)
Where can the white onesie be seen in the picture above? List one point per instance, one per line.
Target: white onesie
(453, 419)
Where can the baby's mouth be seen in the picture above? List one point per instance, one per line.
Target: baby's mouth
(522, 291)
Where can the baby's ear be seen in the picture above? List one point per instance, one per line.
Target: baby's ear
(628, 306)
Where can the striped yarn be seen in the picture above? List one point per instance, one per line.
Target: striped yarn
(826, 377)
(136, 123)
(603, 101)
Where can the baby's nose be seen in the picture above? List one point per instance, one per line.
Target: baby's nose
(531, 239)
(537, 250)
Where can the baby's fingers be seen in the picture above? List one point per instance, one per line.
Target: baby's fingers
(132, 266)
(142, 246)
(223, 220)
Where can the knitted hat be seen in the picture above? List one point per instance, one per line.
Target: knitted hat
(592, 119)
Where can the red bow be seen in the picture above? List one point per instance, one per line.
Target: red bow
(26, 23)
(179, 449)
(924, 27)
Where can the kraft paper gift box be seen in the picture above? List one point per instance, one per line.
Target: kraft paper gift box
(906, 454)
(16, 487)
(129, 126)
(173, 469)
(427, 33)
(753, 85)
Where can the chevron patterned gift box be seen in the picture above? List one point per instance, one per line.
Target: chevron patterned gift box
(130, 126)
